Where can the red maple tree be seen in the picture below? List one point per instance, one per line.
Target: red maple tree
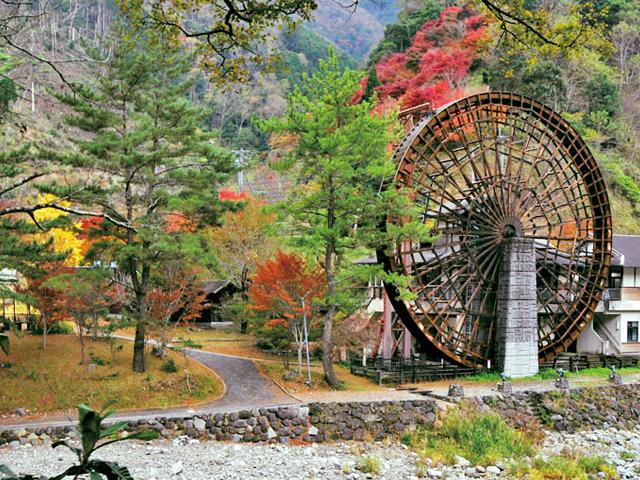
(231, 196)
(433, 69)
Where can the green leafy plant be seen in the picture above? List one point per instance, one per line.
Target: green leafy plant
(369, 465)
(93, 436)
(97, 359)
(482, 438)
(169, 366)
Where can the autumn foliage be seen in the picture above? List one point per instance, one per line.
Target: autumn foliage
(285, 287)
(280, 284)
(231, 196)
(434, 68)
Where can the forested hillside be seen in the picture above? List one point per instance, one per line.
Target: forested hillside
(69, 30)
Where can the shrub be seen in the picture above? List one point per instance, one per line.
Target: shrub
(563, 467)
(274, 335)
(483, 438)
(188, 343)
(317, 351)
(169, 366)
(57, 328)
(368, 465)
(97, 359)
(595, 464)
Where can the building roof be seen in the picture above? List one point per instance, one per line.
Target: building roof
(215, 286)
(8, 275)
(627, 246)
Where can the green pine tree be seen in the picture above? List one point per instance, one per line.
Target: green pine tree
(142, 144)
(341, 157)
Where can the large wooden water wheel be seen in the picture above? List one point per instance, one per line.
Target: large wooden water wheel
(484, 169)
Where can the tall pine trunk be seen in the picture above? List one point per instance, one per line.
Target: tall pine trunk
(138, 341)
(327, 361)
(138, 348)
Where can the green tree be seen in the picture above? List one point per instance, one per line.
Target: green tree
(8, 91)
(562, 28)
(341, 157)
(602, 94)
(142, 142)
(542, 81)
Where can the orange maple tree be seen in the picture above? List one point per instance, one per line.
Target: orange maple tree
(35, 291)
(286, 287)
(240, 242)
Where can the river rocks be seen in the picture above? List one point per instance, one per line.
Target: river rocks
(186, 458)
(463, 462)
(177, 468)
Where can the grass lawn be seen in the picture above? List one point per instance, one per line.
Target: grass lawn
(550, 374)
(350, 382)
(232, 342)
(53, 380)
(196, 334)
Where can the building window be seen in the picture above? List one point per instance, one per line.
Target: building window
(615, 279)
(632, 331)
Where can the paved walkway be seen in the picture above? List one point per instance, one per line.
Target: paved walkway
(244, 383)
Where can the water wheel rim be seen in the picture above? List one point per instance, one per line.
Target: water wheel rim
(520, 170)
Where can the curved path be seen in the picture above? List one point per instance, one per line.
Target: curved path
(245, 388)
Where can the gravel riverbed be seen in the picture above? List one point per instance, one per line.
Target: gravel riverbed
(188, 459)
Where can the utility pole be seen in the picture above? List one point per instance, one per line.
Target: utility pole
(242, 159)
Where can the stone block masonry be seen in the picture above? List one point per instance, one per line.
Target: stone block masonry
(316, 422)
(565, 411)
(517, 323)
(571, 410)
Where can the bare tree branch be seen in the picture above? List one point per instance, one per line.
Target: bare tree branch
(30, 210)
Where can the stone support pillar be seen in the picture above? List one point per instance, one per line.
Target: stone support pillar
(406, 342)
(517, 322)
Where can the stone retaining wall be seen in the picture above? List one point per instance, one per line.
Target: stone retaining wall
(570, 410)
(317, 422)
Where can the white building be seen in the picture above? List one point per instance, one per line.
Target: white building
(615, 328)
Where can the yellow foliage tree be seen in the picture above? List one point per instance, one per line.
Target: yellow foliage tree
(63, 239)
